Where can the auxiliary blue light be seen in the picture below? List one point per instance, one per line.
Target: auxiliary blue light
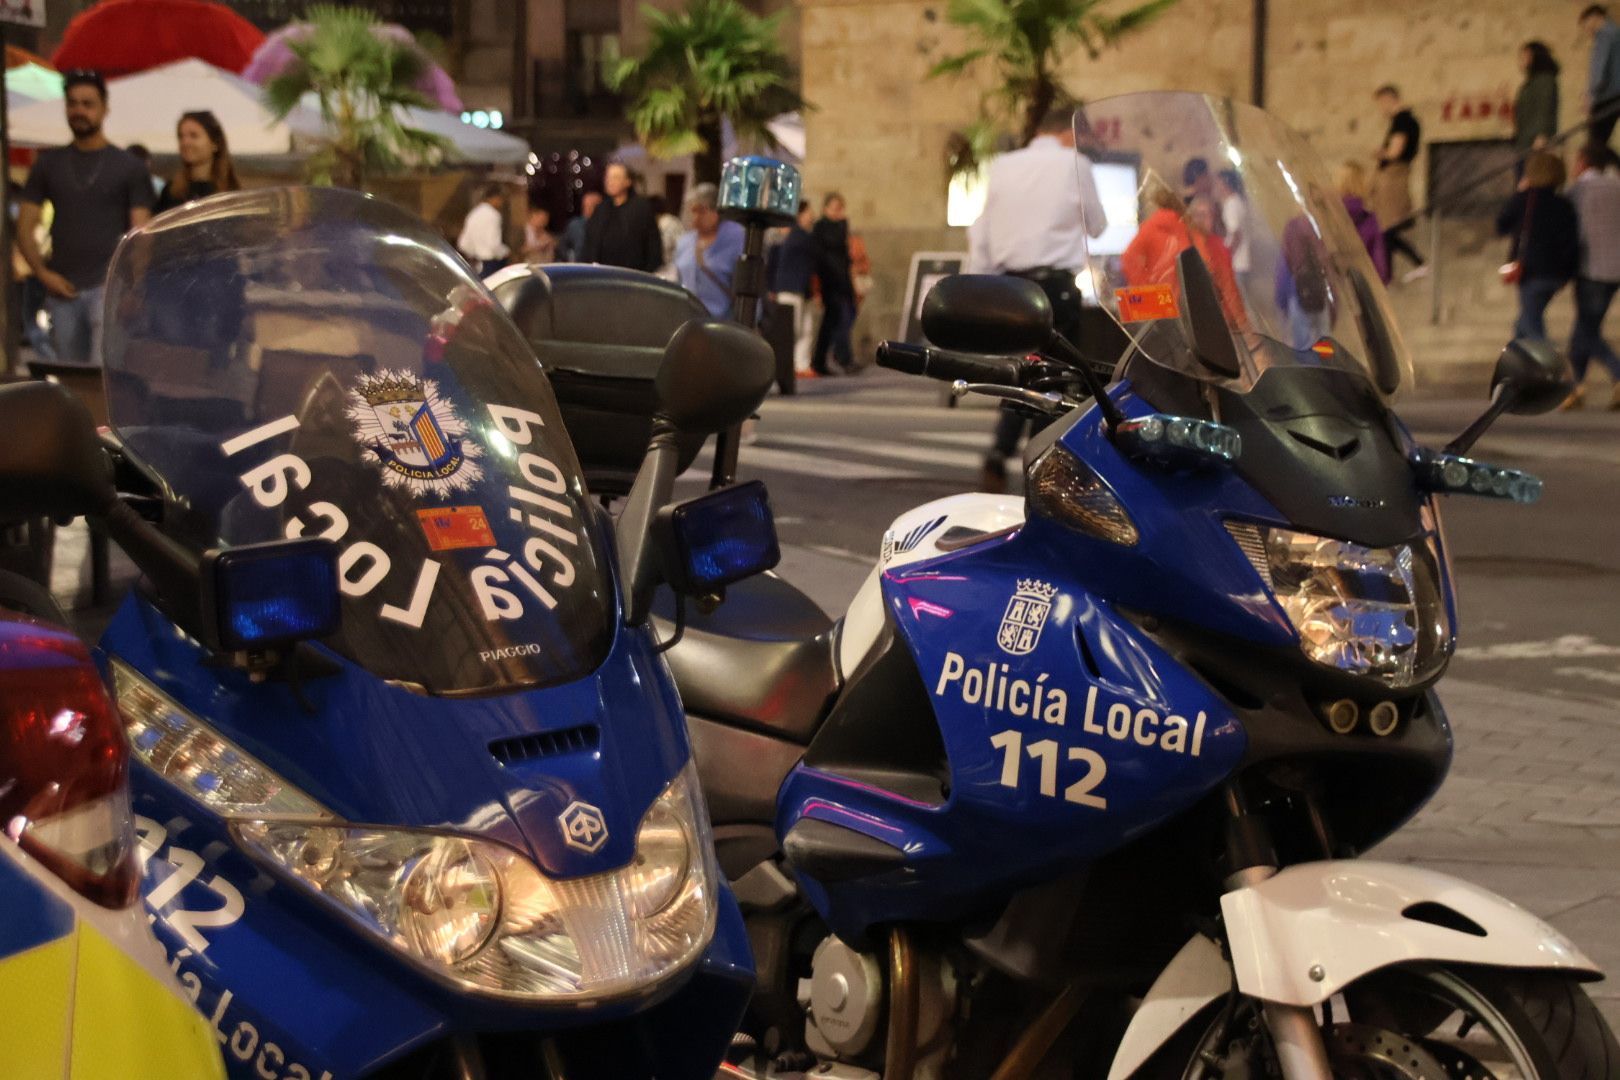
(274, 593)
(1458, 475)
(721, 537)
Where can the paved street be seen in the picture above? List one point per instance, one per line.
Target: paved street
(1532, 806)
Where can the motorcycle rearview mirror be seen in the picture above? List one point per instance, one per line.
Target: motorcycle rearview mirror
(53, 464)
(1530, 378)
(714, 375)
(992, 314)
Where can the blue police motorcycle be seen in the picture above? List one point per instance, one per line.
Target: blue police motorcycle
(1078, 784)
(412, 793)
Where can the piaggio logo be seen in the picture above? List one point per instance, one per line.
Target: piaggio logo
(583, 827)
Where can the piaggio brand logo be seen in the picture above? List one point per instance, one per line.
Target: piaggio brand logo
(583, 827)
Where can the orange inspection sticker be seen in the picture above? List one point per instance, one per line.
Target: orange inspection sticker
(1138, 303)
(449, 527)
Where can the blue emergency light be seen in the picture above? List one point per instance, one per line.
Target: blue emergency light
(718, 538)
(259, 596)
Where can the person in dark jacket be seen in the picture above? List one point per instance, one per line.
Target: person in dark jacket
(624, 229)
(1535, 109)
(790, 271)
(1546, 240)
(831, 235)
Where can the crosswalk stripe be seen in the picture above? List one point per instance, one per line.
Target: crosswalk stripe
(819, 466)
(977, 439)
(923, 455)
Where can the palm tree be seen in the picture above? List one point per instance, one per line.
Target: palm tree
(1026, 40)
(714, 61)
(362, 79)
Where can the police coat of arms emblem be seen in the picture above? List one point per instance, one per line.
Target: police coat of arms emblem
(416, 434)
(1026, 614)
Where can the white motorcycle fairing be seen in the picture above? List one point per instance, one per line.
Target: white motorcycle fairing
(1303, 935)
(914, 536)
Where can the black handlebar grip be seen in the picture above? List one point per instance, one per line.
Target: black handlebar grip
(947, 367)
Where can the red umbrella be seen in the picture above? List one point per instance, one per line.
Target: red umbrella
(122, 37)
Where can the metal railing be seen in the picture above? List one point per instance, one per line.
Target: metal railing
(1457, 194)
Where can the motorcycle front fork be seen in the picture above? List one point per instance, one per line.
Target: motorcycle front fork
(1295, 1033)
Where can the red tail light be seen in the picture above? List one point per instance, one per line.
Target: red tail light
(64, 792)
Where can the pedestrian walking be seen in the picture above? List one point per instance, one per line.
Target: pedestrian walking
(205, 162)
(707, 253)
(1603, 75)
(98, 192)
(573, 238)
(1237, 232)
(1391, 194)
(1041, 206)
(1596, 196)
(831, 234)
(1535, 107)
(623, 231)
(1546, 241)
(1352, 184)
(790, 276)
(483, 232)
(539, 245)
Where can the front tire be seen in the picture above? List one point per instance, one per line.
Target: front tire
(1419, 1022)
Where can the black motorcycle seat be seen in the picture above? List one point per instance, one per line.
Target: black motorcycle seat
(765, 659)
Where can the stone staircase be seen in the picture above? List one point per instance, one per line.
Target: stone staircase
(1457, 354)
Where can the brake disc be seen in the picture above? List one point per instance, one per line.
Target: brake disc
(1365, 1052)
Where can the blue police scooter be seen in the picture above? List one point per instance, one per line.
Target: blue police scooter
(1078, 784)
(413, 793)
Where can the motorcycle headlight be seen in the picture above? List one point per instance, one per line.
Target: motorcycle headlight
(478, 913)
(1376, 612)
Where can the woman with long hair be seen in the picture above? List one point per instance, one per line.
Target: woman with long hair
(205, 162)
(1535, 109)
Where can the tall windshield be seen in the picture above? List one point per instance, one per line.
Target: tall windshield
(302, 362)
(1238, 252)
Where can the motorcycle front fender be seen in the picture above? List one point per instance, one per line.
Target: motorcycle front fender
(1303, 935)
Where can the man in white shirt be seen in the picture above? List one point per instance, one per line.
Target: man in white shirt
(1041, 204)
(1235, 217)
(482, 240)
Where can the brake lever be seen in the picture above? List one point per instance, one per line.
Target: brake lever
(1050, 403)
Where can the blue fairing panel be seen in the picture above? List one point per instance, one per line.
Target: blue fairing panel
(1069, 731)
(270, 966)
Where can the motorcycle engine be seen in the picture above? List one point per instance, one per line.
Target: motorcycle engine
(842, 999)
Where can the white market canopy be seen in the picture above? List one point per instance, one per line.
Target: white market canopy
(145, 107)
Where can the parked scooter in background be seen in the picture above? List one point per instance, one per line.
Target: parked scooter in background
(1078, 785)
(411, 783)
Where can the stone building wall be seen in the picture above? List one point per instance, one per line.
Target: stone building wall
(878, 131)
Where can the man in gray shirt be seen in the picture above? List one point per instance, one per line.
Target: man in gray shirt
(1603, 78)
(1596, 195)
(98, 192)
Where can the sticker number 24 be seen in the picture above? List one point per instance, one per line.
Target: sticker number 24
(1045, 752)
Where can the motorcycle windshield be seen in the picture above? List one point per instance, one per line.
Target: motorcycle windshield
(304, 362)
(1227, 248)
